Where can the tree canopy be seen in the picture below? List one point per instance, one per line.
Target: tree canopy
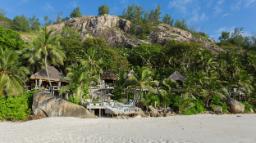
(76, 13)
(104, 9)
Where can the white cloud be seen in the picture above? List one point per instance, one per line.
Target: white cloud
(243, 4)
(249, 3)
(198, 17)
(218, 8)
(181, 5)
(48, 7)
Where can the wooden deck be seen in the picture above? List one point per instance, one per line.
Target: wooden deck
(113, 108)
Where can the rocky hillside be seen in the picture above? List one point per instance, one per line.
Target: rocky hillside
(115, 30)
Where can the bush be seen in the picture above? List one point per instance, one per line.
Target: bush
(191, 106)
(248, 107)
(16, 107)
(217, 101)
(104, 9)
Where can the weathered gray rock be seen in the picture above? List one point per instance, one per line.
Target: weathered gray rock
(153, 112)
(45, 105)
(115, 30)
(235, 106)
(164, 33)
(217, 109)
(111, 28)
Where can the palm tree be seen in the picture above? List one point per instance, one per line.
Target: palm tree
(142, 83)
(12, 74)
(84, 73)
(46, 49)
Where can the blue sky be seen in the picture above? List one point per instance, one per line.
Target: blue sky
(210, 16)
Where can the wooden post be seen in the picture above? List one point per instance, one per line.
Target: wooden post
(40, 83)
(59, 85)
(36, 84)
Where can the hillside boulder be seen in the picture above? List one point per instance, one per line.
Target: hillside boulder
(153, 112)
(164, 33)
(45, 105)
(235, 106)
(113, 29)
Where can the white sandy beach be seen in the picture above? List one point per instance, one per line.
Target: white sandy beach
(175, 129)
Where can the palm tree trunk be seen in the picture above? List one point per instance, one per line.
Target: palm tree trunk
(46, 68)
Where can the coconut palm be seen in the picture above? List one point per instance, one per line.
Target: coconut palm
(47, 50)
(88, 70)
(12, 74)
(142, 83)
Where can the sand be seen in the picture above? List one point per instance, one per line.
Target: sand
(175, 129)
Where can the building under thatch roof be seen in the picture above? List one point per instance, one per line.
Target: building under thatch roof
(109, 76)
(54, 75)
(177, 76)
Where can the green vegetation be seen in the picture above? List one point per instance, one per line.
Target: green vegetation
(143, 72)
(15, 107)
(76, 13)
(104, 9)
(167, 19)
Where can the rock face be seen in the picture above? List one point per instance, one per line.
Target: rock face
(153, 112)
(235, 106)
(164, 33)
(45, 105)
(217, 109)
(115, 30)
(111, 28)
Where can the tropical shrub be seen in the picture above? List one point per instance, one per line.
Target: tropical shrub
(191, 106)
(16, 107)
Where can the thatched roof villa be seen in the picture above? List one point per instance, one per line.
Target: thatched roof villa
(40, 79)
(109, 76)
(177, 76)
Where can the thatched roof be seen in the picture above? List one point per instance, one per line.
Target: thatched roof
(108, 75)
(177, 76)
(54, 75)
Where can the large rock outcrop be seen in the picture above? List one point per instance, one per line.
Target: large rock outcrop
(111, 28)
(115, 30)
(164, 33)
(235, 106)
(45, 105)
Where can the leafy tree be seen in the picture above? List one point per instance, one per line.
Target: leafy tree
(21, 23)
(59, 19)
(133, 13)
(224, 36)
(167, 19)
(145, 55)
(47, 21)
(76, 13)
(104, 9)
(46, 49)
(82, 75)
(72, 45)
(142, 85)
(181, 24)
(4, 21)
(34, 23)
(114, 58)
(154, 15)
(10, 39)
(237, 37)
(12, 74)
